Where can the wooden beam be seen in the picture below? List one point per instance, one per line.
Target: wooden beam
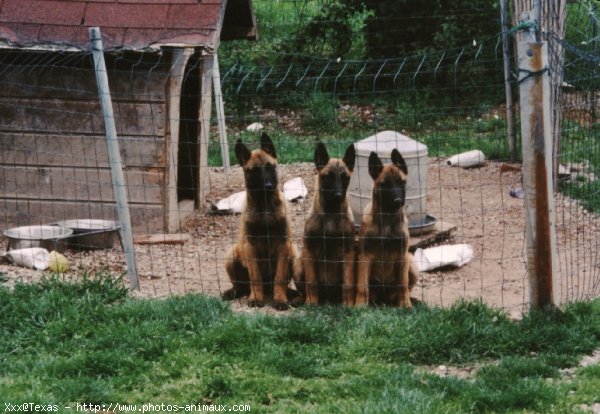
(176, 239)
(179, 59)
(206, 79)
(441, 232)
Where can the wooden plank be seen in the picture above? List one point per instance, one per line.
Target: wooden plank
(441, 232)
(206, 76)
(179, 58)
(174, 238)
(78, 150)
(75, 83)
(145, 218)
(79, 184)
(68, 117)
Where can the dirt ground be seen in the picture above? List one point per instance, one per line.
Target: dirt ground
(477, 201)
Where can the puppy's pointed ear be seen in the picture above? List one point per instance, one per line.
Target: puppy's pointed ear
(321, 156)
(267, 145)
(242, 152)
(398, 161)
(375, 165)
(350, 157)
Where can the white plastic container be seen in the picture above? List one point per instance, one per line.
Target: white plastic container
(469, 159)
(415, 155)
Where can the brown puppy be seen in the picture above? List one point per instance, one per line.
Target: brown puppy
(325, 271)
(261, 261)
(385, 270)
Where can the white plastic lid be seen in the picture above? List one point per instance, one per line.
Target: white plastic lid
(385, 141)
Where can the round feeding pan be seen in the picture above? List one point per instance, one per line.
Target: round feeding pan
(48, 237)
(425, 225)
(91, 234)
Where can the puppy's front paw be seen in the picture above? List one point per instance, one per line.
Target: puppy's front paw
(361, 300)
(280, 306)
(230, 294)
(298, 301)
(256, 303)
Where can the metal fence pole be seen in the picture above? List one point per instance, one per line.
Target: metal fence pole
(536, 133)
(116, 168)
(220, 113)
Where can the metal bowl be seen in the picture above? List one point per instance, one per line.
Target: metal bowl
(91, 234)
(425, 225)
(48, 237)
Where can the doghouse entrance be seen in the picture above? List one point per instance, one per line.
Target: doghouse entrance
(188, 170)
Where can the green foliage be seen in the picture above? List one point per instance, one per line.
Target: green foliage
(294, 67)
(319, 113)
(580, 144)
(588, 192)
(356, 29)
(277, 22)
(336, 31)
(321, 117)
(394, 27)
(582, 31)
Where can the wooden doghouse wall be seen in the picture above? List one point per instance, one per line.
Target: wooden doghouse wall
(53, 160)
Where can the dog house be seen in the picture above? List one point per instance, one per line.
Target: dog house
(160, 58)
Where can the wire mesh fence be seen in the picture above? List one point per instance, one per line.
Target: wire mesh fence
(54, 165)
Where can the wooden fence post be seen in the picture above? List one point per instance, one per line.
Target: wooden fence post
(536, 135)
(114, 156)
(204, 115)
(180, 57)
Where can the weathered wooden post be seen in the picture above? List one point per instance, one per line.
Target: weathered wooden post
(536, 134)
(114, 156)
(206, 81)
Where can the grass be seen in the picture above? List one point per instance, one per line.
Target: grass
(320, 120)
(580, 144)
(64, 343)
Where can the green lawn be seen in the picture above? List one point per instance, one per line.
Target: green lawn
(444, 136)
(89, 342)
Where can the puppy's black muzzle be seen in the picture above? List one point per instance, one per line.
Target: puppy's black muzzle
(398, 203)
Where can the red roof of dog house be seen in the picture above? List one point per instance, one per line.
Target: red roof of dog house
(127, 24)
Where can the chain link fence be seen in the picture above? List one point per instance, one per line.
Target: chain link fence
(54, 165)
